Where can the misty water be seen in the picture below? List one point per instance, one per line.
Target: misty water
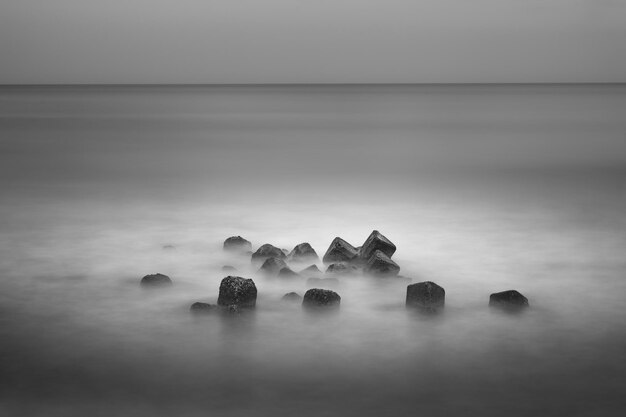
(481, 188)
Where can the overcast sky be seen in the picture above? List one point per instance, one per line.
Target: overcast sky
(314, 41)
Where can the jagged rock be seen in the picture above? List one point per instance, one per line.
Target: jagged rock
(287, 273)
(202, 308)
(376, 241)
(311, 270)
(426, 296)
(303, 253)
(237, 243)
(156, 280)
(322, 282)
(508, 299)
(381, 264)
(237, 291)
(267, 251)
(271, 266)
(228, 268)
(316, 298)
(339, 251)
(341, 269)
(292, 297)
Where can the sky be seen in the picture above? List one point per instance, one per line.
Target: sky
(321, 41)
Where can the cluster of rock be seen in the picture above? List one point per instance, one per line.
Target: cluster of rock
(237, 294)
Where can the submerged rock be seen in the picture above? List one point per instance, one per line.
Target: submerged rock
(287, 273)
(508, 299)
(303, 253)
(319, 298)
(228, 268)
(322, 282)
(376, 241)
(311, 270)
(381, 265)
(169, 247)
(426, 296)
(268, 251)
(271, 266)
(156, 280)
(237, 243)
(237, 291)
(292, 297)
(202, 308)
(340, 251)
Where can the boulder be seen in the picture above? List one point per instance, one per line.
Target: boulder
(381, 265)
(292, 297)
(202, 308)
(267, 251)
(322, 282)
(319, 298)
(237, 243)
(271, 266)
(237, 291)
(287, 273)
(156, 280)
(311, 270)
(303, 253)
(341, 269)
(508, 299)
(376, 241)
(426, 296)
(340, 251)
(228, 268)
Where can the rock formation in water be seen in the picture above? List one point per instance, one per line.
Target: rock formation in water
(292, 297)
(340, 251)
(202, 308)
(508, 299)
(156, 280)
(267, 251)
(228, 268)
(380, 264)
(311, 270)
(425, 296)
(303, 253)
(237, 243)
(287, 273)
(341, 268)
(271, 266)
(319, 298)
(238, 292)
(376, 241)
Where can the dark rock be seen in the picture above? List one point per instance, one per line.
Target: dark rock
(237, 291)
(271, 266)
(340, 251)
(426, 296)
(341, 269)
(267, 251)
(380, 264)
(202, 308)
(287, 273)
(303, 253)
(508, 299)
(311, 270)
(322, 282)
(292, 297)
(316, 298)
(237, 243)
(376, 241)
(228, 268)
(156, 280)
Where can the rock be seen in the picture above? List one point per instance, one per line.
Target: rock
(237, 243)
(303, 253)
(508, 299)
(316, 298)
(156, 280)
(237, 291)
(341, 269)
(271, 266)
(311, 270)
(322, 282)
(268, 251)
(202, 308)
(292, 297)
(376, 241)
(287, 273)
(426, 296)
(169, 247)
(228, 268)
(380, 264)
(340, 251)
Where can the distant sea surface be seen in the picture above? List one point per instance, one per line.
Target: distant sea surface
(482, 189)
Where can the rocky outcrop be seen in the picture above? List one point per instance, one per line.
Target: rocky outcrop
(156, 280)
(381, 265)
(303, 253)
(318, 298)
(237, 291)
(237, 244)
(340, 251)
(267, 251)
(271, 266)
(376, 241)
(287, 273)
(508, 299)
(426, 296)
(202, 308)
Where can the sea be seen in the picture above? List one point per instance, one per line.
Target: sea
(482, 188)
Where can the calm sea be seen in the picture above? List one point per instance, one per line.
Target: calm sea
(482, 189)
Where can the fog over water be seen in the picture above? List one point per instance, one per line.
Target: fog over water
(481, 188)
